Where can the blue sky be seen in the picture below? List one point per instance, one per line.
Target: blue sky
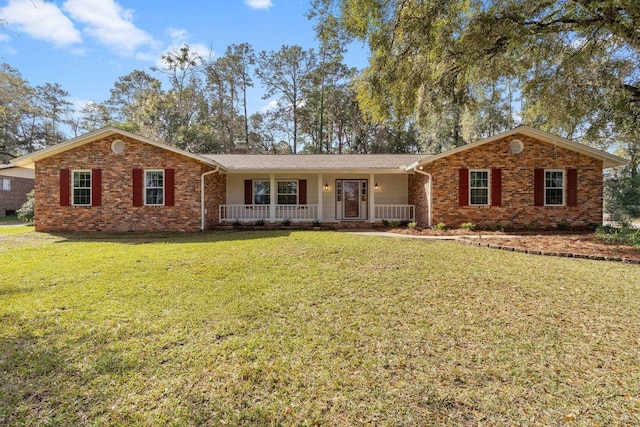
(85, 45)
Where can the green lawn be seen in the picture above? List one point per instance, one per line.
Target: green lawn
(310, 328)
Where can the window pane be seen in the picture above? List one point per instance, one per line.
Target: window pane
(6, 184)
(287, 187)
(553, 179)
(261, 192)
(479, 179)
(287, 199)
(81, 196)
(154, 179)
(154, 196)
(479, 196)
(554, 196)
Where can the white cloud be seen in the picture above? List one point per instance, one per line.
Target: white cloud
(258, 4)
(273, 105)
(43, 21)
(4, 38)
(110, 24)
(179, 38)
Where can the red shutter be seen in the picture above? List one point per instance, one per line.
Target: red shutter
(572, 187)
(137, 187)
(96, 187)
(302, 191)
(538, 187)
(463, 187)
(248, 192)
(65, 187)
(169, 187)
(496, 187)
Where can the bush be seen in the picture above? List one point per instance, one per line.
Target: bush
(563, 225)
(412, 225)
(259, 223)
(440, 226)
(395, 224)
(26, 212)
(286, 222)
(496, 227)
(532, 226)
(620, 236)
(469, 226)
(385, 223)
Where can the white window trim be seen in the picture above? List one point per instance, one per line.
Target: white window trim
(164, 184)
(6, 182)
(285, 194)
(73, 187)
(564, 187)
(488, 171)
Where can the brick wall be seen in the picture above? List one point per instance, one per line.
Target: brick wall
(117, 213)
(517, 210)
(14, 199)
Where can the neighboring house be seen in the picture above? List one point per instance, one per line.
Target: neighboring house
(112, 180)
(15, 183)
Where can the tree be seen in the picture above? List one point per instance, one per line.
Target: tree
(55, 110)
(429, 58)
(287, 73)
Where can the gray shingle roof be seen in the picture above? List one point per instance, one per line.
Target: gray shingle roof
(238, 162)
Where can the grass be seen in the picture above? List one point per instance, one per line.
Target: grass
(310, 328)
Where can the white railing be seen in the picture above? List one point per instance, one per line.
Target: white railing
(296, 212)
(244, 212)
(256, 212)
(395, 212)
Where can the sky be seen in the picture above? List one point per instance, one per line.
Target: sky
(86, 45)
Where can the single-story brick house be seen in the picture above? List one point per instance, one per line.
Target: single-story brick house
(15, 183)
(112, 180)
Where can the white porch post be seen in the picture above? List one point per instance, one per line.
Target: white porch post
(272, 198)
(372, 198)
(320, 187)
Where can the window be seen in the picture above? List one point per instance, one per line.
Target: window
(553, 187)
(154, 187)
(479, 187)
(6, 184)
(338, 191)
(261, 192)
(82, 188)
(287, 192)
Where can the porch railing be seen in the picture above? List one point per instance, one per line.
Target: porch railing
(256, 212)
(395, 212)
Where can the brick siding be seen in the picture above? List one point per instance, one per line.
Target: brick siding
(517, 210)
(14, 199)
(117, 213)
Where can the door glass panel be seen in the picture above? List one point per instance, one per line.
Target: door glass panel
(351, 199)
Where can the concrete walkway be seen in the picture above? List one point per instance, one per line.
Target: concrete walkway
(419, 236)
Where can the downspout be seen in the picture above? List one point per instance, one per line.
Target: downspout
(202, 210)
(428, 193)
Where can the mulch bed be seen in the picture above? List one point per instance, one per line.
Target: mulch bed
(568, 244)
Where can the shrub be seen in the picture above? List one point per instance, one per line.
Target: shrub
(412, 225)
(236, 223)
(259, 223)
(395, 224)
(620, 236)
(286, 222)
(532, 226)
(385, 223)
(469, 226)
(316, 222)
(496, 227)
(440, 226)
(26, 212)
(563, 225)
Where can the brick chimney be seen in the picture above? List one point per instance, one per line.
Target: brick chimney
(240, 147)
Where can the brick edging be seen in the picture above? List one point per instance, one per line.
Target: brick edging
(547, 253)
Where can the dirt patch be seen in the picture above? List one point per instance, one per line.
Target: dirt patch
(581, 245)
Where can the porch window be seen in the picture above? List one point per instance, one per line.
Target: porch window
(287, 192)
(6, 184)
(553, 187)
(261, 192)
(82, 188)
(479, 187)
(154, 187)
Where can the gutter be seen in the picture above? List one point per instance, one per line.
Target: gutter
(202, 209)
(415, 169)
